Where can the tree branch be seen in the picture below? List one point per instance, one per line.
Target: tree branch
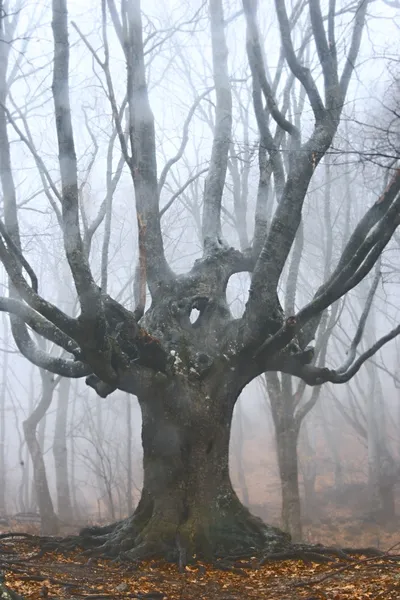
(215, 181)
(359, 22)
(184, 141)
(326, 52)
(20, 257)
(181, 190)
(48, 310)
(363, 319)
(88, 292)
(40, 324)
(317, 375)
(303, 74)
(256, 63)
(143, 165)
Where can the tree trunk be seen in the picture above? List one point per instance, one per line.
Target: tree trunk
(49, 521)
(60, 454)
(129, 482)
(286, 441)
(3, 397)
(188, 506)
(239, 454)
(308, 470)
(388, 500)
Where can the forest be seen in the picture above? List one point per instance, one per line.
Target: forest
(199, 332)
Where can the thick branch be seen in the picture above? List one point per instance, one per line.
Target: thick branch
(359, 22)
(59, 366)
(326, 53)
(317, 376)
(20, 257)
(357, 267)
(256, 63)
(355, 243)
(142, 138)
(48, 310)
(39, 324)
(303, 74)
(215, 180)
(88, 292)
(271, 261)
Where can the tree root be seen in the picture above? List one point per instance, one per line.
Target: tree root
(223, 539)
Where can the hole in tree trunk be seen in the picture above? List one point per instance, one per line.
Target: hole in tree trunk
(237, 293)
(194, 315)
(209, 446)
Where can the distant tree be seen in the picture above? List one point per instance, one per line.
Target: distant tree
(188, 373)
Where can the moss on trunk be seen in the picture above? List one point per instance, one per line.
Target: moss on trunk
(188, 506)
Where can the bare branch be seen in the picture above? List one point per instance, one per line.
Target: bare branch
(361, 325)
(12, 264)
(365, 250)
(24, 263)
(47, 181)
(257, 67)
(40, 324)
(302, 73)
(326, 52)
(184, 141)
(143, 165)
(215, 180)
(59, 366)
(181, 190)
(88, 292)
(359, 21)
(317, 376)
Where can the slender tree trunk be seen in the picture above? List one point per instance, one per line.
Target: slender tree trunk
(286, 441)
(76, 509)
(240, 460)
(3, 398)
(188, 506)
(388, 500)
(309, 471)
(60, 453)
(129, 454)
(49, 521)
(286, 438)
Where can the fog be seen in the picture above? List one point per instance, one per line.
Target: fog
(344, 436)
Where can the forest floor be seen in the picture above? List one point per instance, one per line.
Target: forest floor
(74, 577)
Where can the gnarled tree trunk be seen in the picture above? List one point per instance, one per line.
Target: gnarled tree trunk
(188, 506)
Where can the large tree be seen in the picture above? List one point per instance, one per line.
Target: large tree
(188, 375)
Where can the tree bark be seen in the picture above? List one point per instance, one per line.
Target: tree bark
(188, 506)
(49, 521)
(129, 482)
(286, 442)
(3, 396)
(60, 454)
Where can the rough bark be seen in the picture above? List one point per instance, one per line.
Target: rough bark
(188, 506)
(188, 377)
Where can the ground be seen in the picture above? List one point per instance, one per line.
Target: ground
(71, 576)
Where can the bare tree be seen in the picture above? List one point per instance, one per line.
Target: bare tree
(188, 374)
